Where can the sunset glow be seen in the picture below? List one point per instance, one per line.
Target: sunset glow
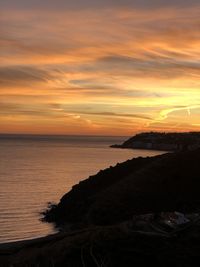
(95, 67)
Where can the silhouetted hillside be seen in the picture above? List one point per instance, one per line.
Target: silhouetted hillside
(75, 204)
(167, 182)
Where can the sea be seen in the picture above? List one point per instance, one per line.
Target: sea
(36, 170)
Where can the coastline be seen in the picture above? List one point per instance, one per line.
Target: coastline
(39, 172)
(116, 217)
(19, 244)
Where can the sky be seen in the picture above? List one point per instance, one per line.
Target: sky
(99, 67)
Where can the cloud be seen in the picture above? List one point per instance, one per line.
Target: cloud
(165, 113)
(22, 75)
(16, 109)
(113, 114)
(126, 63)
(80, 4)
(110, 87)
(153, 66)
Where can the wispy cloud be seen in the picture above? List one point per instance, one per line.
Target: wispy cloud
(166, 112)
(22, 75)
(130, 64)
(79, 4)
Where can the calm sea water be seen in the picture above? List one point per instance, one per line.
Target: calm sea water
(36, 170)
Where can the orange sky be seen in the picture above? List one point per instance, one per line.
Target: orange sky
(102, 69)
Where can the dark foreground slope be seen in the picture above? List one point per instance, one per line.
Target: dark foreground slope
(162, 183)
(108, 246)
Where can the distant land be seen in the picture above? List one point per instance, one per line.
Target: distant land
(163, 141)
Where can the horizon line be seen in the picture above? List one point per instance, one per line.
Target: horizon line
(59, 135)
